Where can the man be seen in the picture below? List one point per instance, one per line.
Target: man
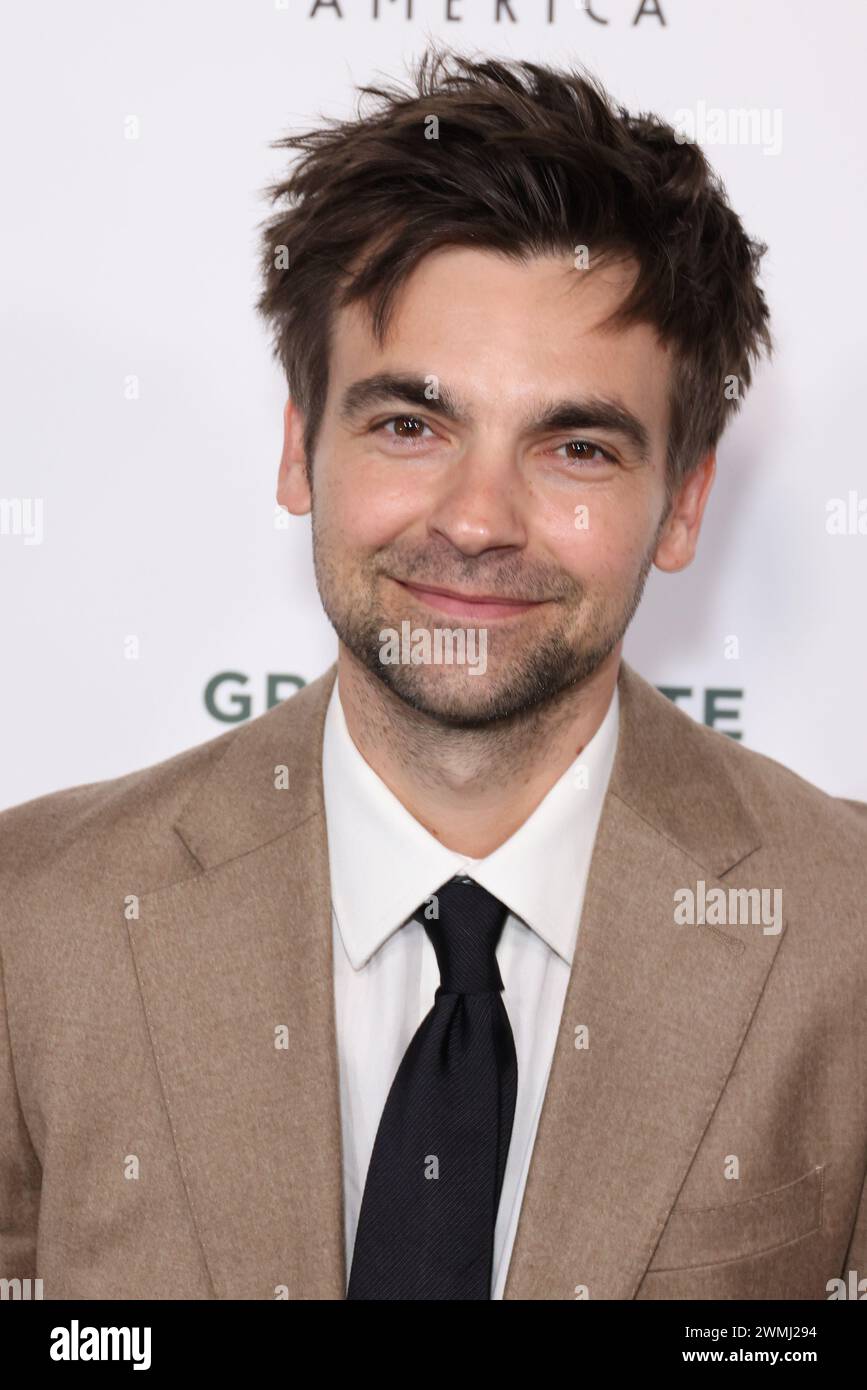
(476, 969)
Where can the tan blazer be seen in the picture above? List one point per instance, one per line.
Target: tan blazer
(164, 934)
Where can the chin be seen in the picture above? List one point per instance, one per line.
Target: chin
(451, 697)
(461, 701)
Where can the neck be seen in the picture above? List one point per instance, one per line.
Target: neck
(471, 788)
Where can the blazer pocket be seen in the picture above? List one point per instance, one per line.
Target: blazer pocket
(711, 1235)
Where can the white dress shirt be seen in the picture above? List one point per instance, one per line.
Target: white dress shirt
(384, 864)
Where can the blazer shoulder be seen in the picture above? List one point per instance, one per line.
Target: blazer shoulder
(703, 764)
(51, 826)
(788, 805)
(122, 817)
(92, 845)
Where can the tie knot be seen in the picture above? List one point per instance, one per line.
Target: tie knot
(464, 934)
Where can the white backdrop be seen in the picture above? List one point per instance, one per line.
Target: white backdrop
(133, 260)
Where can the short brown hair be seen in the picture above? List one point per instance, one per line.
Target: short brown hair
(527, 161)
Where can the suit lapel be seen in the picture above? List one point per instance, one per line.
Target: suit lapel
(667, 1008)
(231, 961)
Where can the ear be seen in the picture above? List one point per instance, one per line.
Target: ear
(679, 538)
(293, 487)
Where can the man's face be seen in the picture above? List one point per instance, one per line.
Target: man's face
(499, 446)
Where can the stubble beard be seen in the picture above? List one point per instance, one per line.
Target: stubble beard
(519, 684)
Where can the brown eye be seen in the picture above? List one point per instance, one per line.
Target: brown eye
(582, 451)
(407, 426)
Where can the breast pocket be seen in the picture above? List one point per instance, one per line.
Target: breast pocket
(701, 1236)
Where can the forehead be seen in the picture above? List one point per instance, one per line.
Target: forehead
(502, 331)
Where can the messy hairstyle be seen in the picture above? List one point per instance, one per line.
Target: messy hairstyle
(525, 161)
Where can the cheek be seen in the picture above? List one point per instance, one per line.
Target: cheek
(368, 504)
(601, 537)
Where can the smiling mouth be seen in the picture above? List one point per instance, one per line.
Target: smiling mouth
(484, 606)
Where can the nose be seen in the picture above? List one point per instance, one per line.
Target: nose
(480, 505)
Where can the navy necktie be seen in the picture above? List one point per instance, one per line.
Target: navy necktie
(427, 1219)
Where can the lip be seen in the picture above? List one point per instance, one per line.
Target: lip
(485, 606)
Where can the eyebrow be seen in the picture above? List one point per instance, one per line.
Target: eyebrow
(581, 413)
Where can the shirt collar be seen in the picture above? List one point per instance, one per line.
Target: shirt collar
(384, 863)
